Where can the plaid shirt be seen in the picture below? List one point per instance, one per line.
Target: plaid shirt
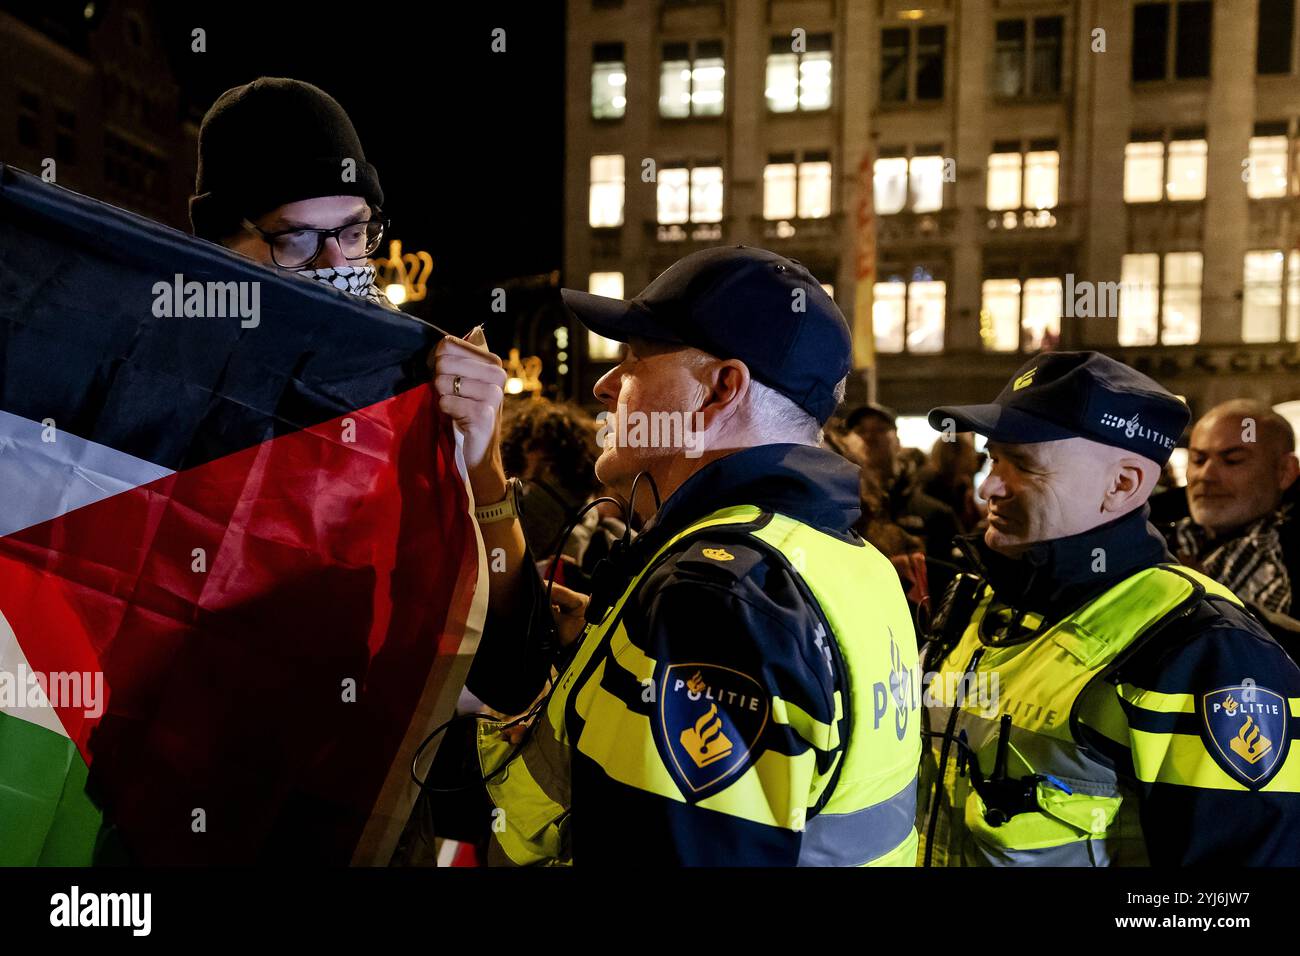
(1251, 564)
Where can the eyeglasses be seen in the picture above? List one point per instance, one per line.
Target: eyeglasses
(294, 248)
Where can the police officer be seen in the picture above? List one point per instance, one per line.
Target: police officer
(744, 689)
(1092, 702)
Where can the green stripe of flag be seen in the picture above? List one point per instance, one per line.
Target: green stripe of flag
(46, 819)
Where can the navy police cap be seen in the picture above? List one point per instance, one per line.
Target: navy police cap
(743, 303)
(1059, 395)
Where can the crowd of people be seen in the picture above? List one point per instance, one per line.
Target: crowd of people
(1076, 663)
(1237, 518)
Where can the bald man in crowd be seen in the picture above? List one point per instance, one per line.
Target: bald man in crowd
(1242, 530)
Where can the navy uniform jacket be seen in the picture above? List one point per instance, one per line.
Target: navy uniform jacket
(1187, 817)
(746, 614)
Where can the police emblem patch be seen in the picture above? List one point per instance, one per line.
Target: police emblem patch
(1245, 729)
(710, 718)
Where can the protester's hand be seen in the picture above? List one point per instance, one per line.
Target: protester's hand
(568, 608)
(476, 410)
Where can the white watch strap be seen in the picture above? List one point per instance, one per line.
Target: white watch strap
(501, 510)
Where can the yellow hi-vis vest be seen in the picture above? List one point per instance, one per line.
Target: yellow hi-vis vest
(1041, 683)
(869, 816)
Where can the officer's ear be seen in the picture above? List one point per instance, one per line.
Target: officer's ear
(1132, 479)
(726, 383)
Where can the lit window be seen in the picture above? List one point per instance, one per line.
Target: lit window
(1261, 301)
(1267, 167)
(675, 81)
(1293, 297)
(1180, 304)
(1004, 181)
(814, 189)
(889, 184)
(815, 77)
(888, 315)
(605, 206)
(1000, 315)
(925, 311)
(674, 195)
(1186, 169)
(1042, 319)
(601, 349)
(707, 86)
(610, 284)
(706, 194)
(1015, 316)
(1042, 178)
(1139, 300)
(908, 315)
(900, 183)
(1028, 181)
(606, 283)
(1160, 304)
(782, 81)
(925, 181)
(692, 85)
(608, 81)
(1144, 172)
(779, 190)
(799, 81)
(689, 194)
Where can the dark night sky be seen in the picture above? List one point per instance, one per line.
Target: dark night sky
(468, 143)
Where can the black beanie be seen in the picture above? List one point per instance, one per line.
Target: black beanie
(271, 142)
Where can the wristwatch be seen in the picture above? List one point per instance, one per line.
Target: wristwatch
(502, 510)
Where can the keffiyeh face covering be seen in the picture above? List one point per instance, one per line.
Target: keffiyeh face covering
(355, 280)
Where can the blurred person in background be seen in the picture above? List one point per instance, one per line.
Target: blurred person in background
(949, 476)
(905, 551)
(905, 503)
(551, 447)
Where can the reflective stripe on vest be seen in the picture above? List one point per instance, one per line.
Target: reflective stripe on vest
(1039, 682)
(869, 815)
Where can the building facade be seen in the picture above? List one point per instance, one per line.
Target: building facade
(90, 95)
(1032, 174)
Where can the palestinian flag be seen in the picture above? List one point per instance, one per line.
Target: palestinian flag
(238, 576)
